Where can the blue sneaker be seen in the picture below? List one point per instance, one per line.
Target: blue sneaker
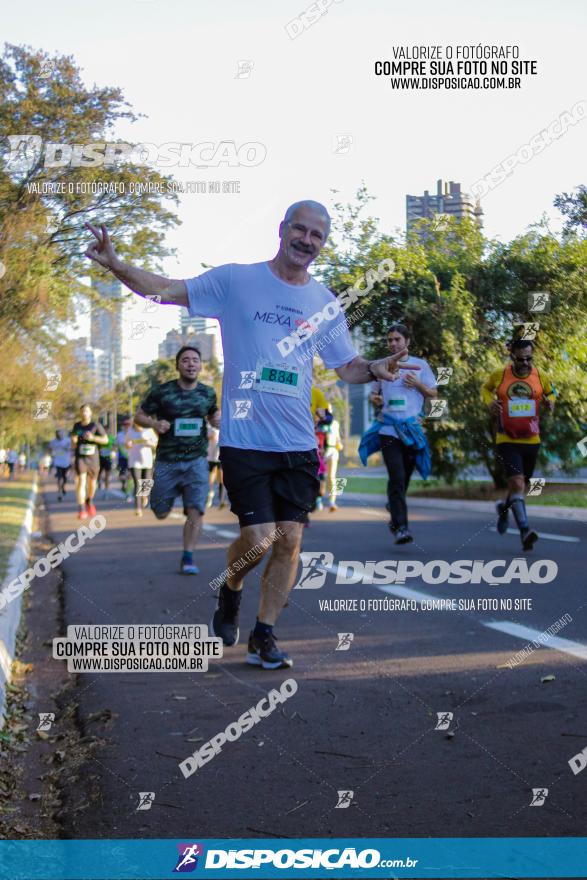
(188, 568)
(264, 652)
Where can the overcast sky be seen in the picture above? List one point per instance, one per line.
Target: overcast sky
(176, 61)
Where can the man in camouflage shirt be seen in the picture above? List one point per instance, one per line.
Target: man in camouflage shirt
(178, 411)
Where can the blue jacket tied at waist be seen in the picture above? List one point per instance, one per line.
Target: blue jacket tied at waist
(409, 432)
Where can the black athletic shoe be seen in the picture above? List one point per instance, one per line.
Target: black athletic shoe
(264, 652)
(224, 624)
(503, 516)
(529, 538)
(391, 527)
(403, 535)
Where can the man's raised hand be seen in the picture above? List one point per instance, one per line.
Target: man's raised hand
(388, 368)
(100, 249)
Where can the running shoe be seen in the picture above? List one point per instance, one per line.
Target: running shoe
(319, 504)
(391, 527)
(138, 512)
(224, 624)
(529, 538)
(503, 515)
(91, 508)
(264, 652)
(60, 498)
(221, 505)
(209, 500)
(403, 536)
(333, 508)
(188, 568)
(83, 514)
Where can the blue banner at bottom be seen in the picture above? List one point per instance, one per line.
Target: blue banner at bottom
(546, 857)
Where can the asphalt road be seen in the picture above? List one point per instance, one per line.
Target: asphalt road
(363, 719)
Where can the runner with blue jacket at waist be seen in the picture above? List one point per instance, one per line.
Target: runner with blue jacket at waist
(397, 431)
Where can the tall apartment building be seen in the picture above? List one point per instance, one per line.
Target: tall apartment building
(205, 326)
(195, 324)
(106, 325)
(449, 200)
(98, 365)
(174, 340)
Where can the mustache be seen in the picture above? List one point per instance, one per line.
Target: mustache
(306, 249)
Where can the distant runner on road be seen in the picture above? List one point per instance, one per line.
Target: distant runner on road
(404, 446)
(514, 395)
(61, 453)
(122, 456)
(86, 437)
(140, 443)
(273, 316)
(179, 411)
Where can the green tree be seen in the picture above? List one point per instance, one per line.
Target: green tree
(573, 206)
(42, 213)
(463, 298)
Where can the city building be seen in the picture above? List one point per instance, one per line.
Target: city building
(208, 326)
(207, 343)
(449, 200)
(97, 363)
(106, 325)
(195, 324)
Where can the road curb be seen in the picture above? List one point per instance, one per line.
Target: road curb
(578, 514)
(10, 615)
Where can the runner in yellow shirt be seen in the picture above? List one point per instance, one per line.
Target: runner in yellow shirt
(514, 395)
(320, 409)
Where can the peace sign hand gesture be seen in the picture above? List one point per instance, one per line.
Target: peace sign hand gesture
(101, 250)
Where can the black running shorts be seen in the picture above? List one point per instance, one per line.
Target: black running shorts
(517, 458)
(267, 487)
(87, 464)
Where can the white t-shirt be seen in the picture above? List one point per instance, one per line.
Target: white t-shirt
(401, 401)
(213, 435)
(2, 456)
(61, 451)
(140, 454)
(332, 437)
(268, 408)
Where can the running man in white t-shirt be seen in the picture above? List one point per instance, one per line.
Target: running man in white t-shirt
(60, 448)
(214, 467)
(140, 443)
(401, 399)
(272, 315)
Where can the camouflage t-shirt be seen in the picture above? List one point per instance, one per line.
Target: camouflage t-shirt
(186, 412)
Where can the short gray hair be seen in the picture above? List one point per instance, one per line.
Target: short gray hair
(308, 203)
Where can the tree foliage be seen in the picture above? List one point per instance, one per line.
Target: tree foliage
(42, 234)
(464, 298)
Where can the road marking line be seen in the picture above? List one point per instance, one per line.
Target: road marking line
(519, 631)
(223, 533)
(402, 592)
(548, 535)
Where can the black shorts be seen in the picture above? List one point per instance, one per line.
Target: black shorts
(122, 466)
(105, 464)
(268, 487)
(88, 464)
(517, 458)
(61, 472)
